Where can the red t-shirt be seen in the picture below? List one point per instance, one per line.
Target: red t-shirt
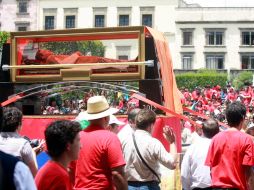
(208, 93)
(194, 95)
(53, 176)
(231, 96)
(101, 151)
(246, 97)
(229, 152)
(186, 95)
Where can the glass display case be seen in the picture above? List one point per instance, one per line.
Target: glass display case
(78, 54)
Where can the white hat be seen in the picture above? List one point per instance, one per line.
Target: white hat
(114, 120)
(216, 112)
(97, 107)
(250, 126)
(199, 122)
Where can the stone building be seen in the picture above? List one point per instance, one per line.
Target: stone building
(199, 37)
(18, 15)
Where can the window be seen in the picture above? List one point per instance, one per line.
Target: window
(99, 21)
(187, 37)
(50, 18)
(123, 52)
(100, 16)
(70, 17)
(186, 61)
(123, 20)
(215, 61)
(22, 28)
(247, 61)
(124, 16)
(22, 5)
(123, 57)
(248, 38)
(70, 21)
(214, 38)
(147, 20)
(49, 22)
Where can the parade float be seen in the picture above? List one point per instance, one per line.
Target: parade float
(34, 71)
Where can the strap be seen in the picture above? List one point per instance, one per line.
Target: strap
(144, 162)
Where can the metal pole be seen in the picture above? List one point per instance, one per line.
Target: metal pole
(83, 65)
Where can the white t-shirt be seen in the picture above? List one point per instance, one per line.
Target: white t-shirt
(12, 143)
(23, 179)
(194, 173)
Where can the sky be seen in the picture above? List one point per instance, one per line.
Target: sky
(223, 3)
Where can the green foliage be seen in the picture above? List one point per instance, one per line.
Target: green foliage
(244, 78)
(60, 47)
(4, 36)
(207, 71)
(201, 79)
(96, 48)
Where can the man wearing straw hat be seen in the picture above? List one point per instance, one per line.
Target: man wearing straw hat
(100, 164)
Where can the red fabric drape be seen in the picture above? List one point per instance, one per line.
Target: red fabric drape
(170, 90)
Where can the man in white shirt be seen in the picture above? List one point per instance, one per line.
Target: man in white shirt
(194, 173)
(152, 151)
(125, 134)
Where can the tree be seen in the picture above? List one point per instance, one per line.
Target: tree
(243, 79)
(4, 36)
(95, 48)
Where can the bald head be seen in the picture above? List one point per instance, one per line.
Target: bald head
(210, 128)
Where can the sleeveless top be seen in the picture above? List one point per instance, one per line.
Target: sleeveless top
(7, 166)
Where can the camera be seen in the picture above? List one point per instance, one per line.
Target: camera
(33, 142)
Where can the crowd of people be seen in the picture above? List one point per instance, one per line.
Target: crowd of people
(101, 157)
(98, 157)
(212, 101)
(221, 160)
(74, 105)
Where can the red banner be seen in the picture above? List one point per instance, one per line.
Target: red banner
(34, 127)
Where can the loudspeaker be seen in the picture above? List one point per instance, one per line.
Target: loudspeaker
(7, 89)
(150, 54)
(152, 89)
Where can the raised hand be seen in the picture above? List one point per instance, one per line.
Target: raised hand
(169, 134)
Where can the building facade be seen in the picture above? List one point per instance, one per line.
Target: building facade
(199, 37)
(103, 13)
(18, 15)
(214, 37)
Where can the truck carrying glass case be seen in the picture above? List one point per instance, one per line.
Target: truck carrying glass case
(64, 55)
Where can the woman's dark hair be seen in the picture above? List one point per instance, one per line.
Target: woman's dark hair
(58, 134)
(51, 101)
(12, 119)
(145, 118)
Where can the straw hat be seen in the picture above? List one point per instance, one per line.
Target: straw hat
(97, 107)
(113, 120)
